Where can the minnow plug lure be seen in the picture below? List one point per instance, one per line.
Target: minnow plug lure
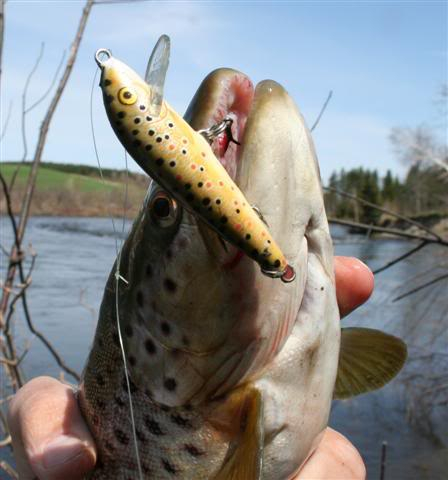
(181, 159)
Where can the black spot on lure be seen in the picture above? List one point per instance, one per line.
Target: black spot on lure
(180, 159)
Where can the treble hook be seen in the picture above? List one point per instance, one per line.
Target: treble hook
(224, 126)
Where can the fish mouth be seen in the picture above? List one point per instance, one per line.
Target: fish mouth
(224, 94)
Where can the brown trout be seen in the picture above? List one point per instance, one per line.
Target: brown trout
(231, 373)
(180, 159)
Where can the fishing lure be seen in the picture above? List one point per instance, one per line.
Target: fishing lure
(180, 159)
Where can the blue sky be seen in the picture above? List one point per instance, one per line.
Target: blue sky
(384, 61)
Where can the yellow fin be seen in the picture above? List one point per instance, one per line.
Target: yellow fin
(244, 458)
(368, 360)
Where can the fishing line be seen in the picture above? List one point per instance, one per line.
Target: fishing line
(118, 277)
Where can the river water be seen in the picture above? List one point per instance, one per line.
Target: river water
(75, 255)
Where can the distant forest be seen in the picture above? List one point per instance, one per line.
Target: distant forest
(423, 193)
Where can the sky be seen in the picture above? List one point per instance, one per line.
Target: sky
(385, 62)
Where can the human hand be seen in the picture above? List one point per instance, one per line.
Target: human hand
(52, 441)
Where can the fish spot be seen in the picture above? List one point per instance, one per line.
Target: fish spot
(192, 450)
(137, 120)
(167, 137)
(172, 163)
(201, 169)
(142, 107)
(184, 152)
(140, 435)
(140, 298)
(132, 386)
(151, 132)
(136, 143)
(153, 426)
(148, 147)
(200, 184)
(121, 436)
(248, 236)
(205, 201)
(159, 162)
(218, 201)
(107, 82)
(277, 263)
(121, 114)
(268, 241)
(158, 139)
(150, 347)
(169, 467)
(171, 125)
(132, 360)
(135, 132)
(128, 330)
(181, 421)
(321, 289)
(237, 210)
(148, 270)
(165, 327)
(170, 384)
(149, 119)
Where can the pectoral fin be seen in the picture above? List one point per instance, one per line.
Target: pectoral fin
(368, 359)
(244, 458)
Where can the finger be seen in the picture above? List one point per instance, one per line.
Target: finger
(334, 458)
(50, 437)
(354, 283)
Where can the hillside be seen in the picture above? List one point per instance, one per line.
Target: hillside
(76, 190)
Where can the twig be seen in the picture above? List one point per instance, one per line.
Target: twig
(324, 107)
(401, 257)
(421, 287)
(6, 123)
(39, 150)
(392, 231)
(383, 460)
(382, 209)
(9, 470)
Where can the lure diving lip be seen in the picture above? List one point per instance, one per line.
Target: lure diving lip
(181, 159)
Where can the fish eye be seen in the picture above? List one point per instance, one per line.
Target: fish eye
(163, 209)
(127, 96)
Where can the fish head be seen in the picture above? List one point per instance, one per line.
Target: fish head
(197, 315)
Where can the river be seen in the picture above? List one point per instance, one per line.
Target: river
(75, 255)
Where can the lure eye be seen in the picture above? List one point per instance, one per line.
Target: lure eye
(163, 210)
(127, 96)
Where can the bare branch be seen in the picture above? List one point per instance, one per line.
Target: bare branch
(384, 210)
(324, 107)
(391, 231)
(421, 287)
(53, 81)
(401, 257)
(6, 123)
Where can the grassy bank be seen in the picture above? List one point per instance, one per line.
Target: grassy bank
(75, 190)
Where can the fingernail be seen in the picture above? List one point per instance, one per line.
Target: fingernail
(61, 450)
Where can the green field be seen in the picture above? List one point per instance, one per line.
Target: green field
(48, 178)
